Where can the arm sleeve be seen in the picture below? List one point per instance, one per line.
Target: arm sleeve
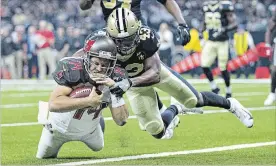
(151, 44)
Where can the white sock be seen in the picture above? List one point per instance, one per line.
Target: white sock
(213, 84)
(228, 90)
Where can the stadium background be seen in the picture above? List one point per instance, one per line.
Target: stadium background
(18, 16)
(214, 138)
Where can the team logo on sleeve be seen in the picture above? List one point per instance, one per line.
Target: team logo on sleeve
(141, 55)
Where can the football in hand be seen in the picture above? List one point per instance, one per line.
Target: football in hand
(81, 92)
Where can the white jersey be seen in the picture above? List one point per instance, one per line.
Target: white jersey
(81, 121)
(78, 122)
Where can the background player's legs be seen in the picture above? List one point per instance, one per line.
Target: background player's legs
(208, 57)
(271, 98)
(49, 144)
(94, 140)
(223, 52)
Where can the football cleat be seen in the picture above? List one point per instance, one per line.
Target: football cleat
(183, 110)
(241, 113)
(169, 131)
(270, 99)
(216, 91)
(228, 95)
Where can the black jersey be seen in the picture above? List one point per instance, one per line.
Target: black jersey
(215, 20)
(148, 45)
(134, 63)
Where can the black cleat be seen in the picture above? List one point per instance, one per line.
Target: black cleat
(228, 95)
(216, 91)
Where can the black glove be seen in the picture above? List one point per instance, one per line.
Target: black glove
(121, 87)
(183, 34)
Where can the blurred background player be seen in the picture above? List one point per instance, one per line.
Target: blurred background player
(78, 119)
(219, 18)
(270, 39)
(243, 41)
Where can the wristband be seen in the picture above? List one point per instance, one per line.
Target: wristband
(116, 101)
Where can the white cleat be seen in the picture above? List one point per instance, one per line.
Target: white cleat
(183, 110)
(241, 113)
(271, 98)
(169, 131)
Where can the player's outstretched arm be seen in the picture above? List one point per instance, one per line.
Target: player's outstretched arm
(183, 29)
(85, 4)
(117, 106)
(61, 102)
(174, 10)
(118, 110)
(151, 75)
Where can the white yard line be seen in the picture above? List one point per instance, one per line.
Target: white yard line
(19, 105)
(19, 95)
(39, 85)
(41, 94)
(244, 94)
(273, 108)
(165, 154)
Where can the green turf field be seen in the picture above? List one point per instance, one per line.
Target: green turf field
(195, 132)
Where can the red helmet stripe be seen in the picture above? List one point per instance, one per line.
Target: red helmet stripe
(88, 45)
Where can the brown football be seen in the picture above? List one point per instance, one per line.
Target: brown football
(81, 92)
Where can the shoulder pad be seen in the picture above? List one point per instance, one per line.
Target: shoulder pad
(149, 40)
(69, 72)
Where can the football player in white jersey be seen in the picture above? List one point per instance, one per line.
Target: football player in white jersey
(137, 53)
(78, 119)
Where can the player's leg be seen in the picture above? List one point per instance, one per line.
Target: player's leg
(49, 143)
(208, 56)
(94, 140)
(143, 101)
(161, 107)
(172, 83)
(223, 50)
(102, 123)
(271, 98)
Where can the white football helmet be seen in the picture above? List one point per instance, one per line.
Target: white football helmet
(123, 27)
